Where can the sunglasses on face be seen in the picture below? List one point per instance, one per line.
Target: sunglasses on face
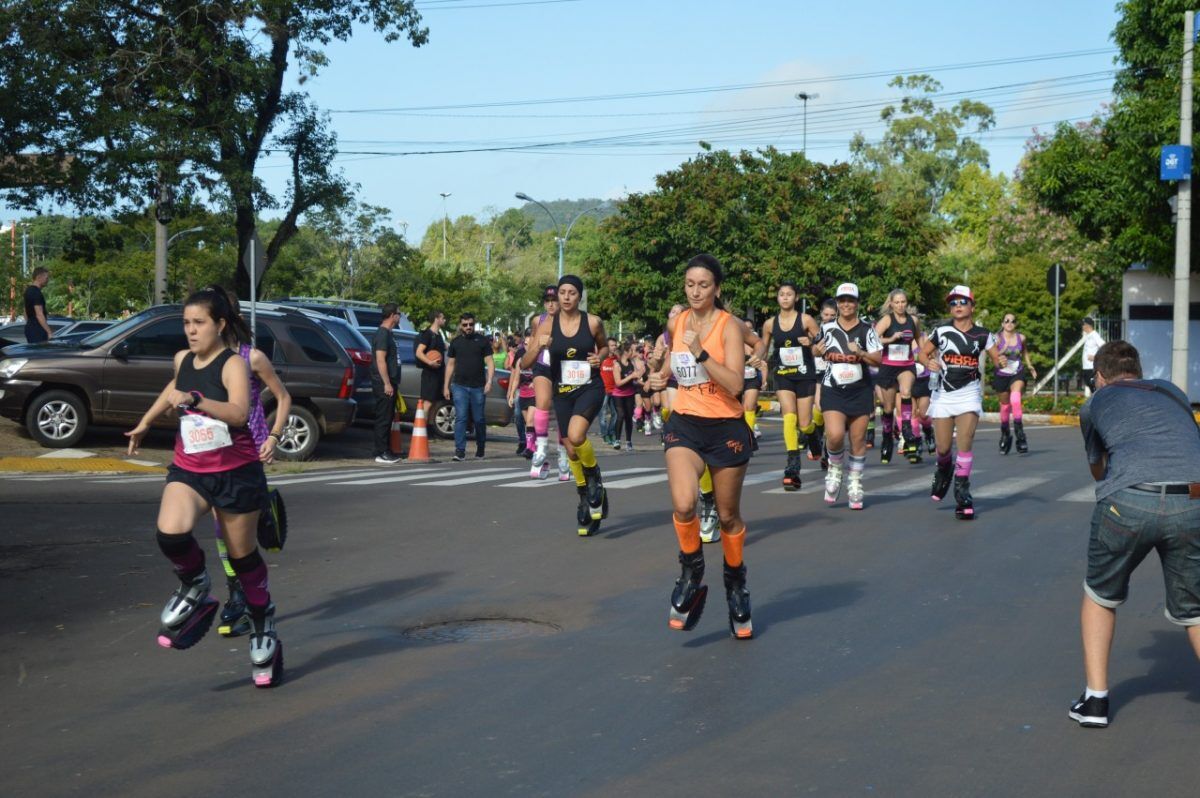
(466, 325)
(958, 303)
(1010, 321)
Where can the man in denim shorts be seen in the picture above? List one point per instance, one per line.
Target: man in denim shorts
(1143, 448)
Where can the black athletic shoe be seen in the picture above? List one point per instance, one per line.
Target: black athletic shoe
(942, 477)
(1022, 443)
(459, 456)
(1091, 712)
(885, 449)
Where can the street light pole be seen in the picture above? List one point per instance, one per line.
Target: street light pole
(521, 195)
(1183, 222)
(804, 97)
(444, 218)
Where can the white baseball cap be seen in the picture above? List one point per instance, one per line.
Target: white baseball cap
(962, 291)
(846, 289)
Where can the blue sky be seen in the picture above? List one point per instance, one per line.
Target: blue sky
(523, 51)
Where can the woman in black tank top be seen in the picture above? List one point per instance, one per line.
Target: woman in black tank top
(216, 465)
(794, 372)
(577, 345)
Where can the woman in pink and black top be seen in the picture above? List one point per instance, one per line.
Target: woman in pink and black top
(624, 373)
(216, 466)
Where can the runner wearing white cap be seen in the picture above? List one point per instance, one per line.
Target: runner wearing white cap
(952, 351)
(848, 345)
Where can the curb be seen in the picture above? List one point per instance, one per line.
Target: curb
(1056, 419)
(86, 464)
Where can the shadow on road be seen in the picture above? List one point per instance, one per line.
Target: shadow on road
(1171, 671)
(344, 602)
(787, 606)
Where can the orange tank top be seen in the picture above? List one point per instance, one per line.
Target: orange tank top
(698, 394)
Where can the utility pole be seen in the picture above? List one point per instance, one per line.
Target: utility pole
(162, 217)
(487, 245)
(444, 218)
(24, 250)
(804, 97)
(1183, 223)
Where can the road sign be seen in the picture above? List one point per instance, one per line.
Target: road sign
(1056, 274)
(1175, 162)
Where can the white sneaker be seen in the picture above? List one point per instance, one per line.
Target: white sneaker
(833, 483)
(537, 465)
(854, 490)
(564, 466)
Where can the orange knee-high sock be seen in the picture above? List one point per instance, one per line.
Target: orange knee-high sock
(732, 544)
(688, 533)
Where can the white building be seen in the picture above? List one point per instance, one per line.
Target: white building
(1147, 306)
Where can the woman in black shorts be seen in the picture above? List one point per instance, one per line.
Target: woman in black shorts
(706, 429)
(576, 344)
(216, 466)
(897, 329)
(849, 346)
(794, 371)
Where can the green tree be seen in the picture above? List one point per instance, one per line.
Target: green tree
(120, 98)
(923, 149)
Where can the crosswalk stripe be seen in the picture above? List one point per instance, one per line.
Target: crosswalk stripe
(636, 482)
(906, 487)
(758, 479)
(1084, 494)
(300, 479)
(542, 483)
(409, 477)
(483, 475)
(1008, 487)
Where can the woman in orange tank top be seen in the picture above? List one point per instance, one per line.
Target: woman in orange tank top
(706, 428)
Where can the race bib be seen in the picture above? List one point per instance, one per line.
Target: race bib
(847, 373)
(575, 372)
(819, 363)
(1011, 366)
(203, 434)
(899, 351)
(749, 372)
(686, 370)
(792, 356)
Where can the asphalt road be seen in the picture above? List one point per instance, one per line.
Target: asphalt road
(897, 651)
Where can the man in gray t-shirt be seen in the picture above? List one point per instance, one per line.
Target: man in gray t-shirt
(1143, 448)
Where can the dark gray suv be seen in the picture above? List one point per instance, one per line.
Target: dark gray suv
(111, 378)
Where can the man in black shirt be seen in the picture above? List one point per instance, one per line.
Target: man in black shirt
(37, 329)
(469, 372)
(385, 381)
(431, 358)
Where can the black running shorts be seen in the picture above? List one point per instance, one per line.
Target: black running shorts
(720, 442)
(751, 384)
(921, 389)
(802, 388)
(541, 370)
(432, 384)
(855, 400)
(584, 401)
(889, 376)
(240, 490)
(1002, 383)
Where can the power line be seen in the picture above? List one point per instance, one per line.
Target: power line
(741, 86)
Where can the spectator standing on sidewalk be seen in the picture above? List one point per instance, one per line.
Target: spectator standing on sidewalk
(469, 372)
(385, 381)
(431, 359)
(37, 329)
(1143, 449)
(1092, 341)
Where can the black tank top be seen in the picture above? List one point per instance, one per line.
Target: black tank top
(806, 368)
(206, 380)
(573, 348)
(902, 355)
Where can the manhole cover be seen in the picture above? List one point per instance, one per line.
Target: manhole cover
(481, 629)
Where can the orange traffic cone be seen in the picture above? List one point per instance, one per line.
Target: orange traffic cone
(418, 445)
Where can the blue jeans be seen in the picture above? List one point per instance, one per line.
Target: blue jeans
(608, 417)
(468, 401)
(1127, 526)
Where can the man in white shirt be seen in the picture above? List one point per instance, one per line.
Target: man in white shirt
(1091, 345)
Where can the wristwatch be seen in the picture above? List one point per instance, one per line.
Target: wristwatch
(703, 356)
(196, 397)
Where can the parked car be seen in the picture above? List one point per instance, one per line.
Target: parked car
(14, 332)
(58, 390)
(363, 315)
(76, 332)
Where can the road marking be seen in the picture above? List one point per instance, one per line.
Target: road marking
(636, 482)
(1008, 487)
(906, 487)
(760, 478)
(410, 477)
(69, 454)
(1085, 494)
(299, 479)
(483, 475)
(541, 483)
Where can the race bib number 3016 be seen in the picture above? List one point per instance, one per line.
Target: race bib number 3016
(575, 372)
(686, 370)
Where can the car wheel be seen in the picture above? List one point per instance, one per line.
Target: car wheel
(442, 420)
(300, 435)
(57, 419)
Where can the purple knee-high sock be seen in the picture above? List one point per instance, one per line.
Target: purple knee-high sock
(252, 573)
(185, 554)
(944, 460)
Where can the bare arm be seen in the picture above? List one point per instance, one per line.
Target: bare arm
(597, 327)
(40, 312)
(539, 341)
(447, 378)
